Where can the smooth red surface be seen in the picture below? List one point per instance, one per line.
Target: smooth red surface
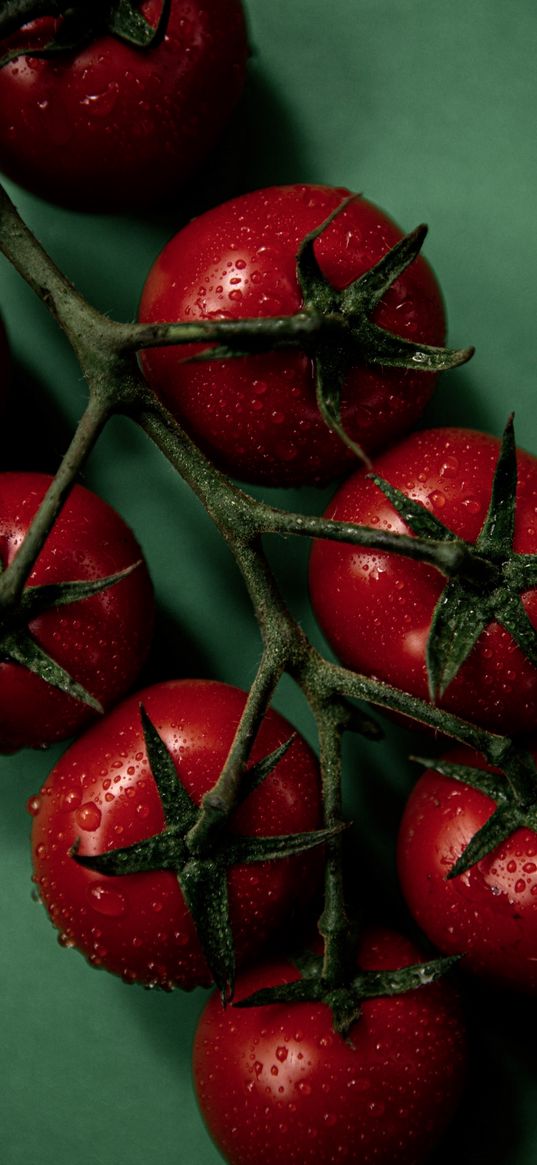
(101, 641)
(488, 914)
(102, 792)
(257, 417)
(114, 127)
(376, 609)
(276, 1083)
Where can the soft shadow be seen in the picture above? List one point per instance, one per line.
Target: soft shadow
(37, 446)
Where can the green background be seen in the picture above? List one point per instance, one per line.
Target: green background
(428, 107)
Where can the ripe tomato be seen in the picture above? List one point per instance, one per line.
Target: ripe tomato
(103, 793)
(276, 1083)
(101, 641)
(376, 609)
(489, 913)
(257, 416)
(117, 127)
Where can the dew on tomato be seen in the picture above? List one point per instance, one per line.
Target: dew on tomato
(489, 913)
(277, 1083)
(257, 417)
(376, 608)
(101, 641)
(113, 127)
(142, 918)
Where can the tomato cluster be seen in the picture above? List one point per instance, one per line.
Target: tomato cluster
(142, 860)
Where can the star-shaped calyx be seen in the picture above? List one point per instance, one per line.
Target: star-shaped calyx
(341, 332)
(79, 23)
(201, 864)
(345, 999)
(490, 578)
(18, 645)
(513, 786)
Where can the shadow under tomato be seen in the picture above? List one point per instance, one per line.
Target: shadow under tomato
(40, 445)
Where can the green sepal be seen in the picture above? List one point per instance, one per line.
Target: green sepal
(128, 24)
(491, 784)
(458, 621)
(331, 364)
(204, 885)
(178, 808)
(21, 648)
(511, 613)
(373, 284)
(254, 776)
(345, 1001)
(501, 825)
(36, 599)
(164, 851)
(498, 528)
(392, 351)
(377, 984)
(421, 521)
(240, 850)
(315, 288)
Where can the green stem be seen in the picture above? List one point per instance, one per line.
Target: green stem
(219, 802)
(332, 717)
(13, 579)
(272, 331)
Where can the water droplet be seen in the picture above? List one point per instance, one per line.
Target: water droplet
(101, 104)
(437, 499)
(450, 467)
(33, 805)
(88, 817)
(106, 901)
(282, 1054)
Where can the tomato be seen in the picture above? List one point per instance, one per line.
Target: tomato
(117, 127)
(257, 416)
(376, 609)
(489, 913)
(101, 641)
(276, 1083)
(102, 792)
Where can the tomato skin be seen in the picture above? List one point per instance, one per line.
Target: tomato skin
(113, 127)
(376, 609)
(488, 914)
(101, 641)
(101, 791)
(277, 1083)
(257, 417)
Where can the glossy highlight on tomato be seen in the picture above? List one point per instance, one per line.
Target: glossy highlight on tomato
(489, 913)
(103, 795)
(277, 1083)
(114, 127)
(257, 416)
(376, 609)
(101, 641)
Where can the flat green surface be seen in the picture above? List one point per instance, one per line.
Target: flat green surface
(429, 108)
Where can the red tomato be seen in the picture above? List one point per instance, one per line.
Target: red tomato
(278, 1084)
(101, 641)
(102, 792)
(376, 609)
(257, 417)
(116, 127)
(489, 913)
